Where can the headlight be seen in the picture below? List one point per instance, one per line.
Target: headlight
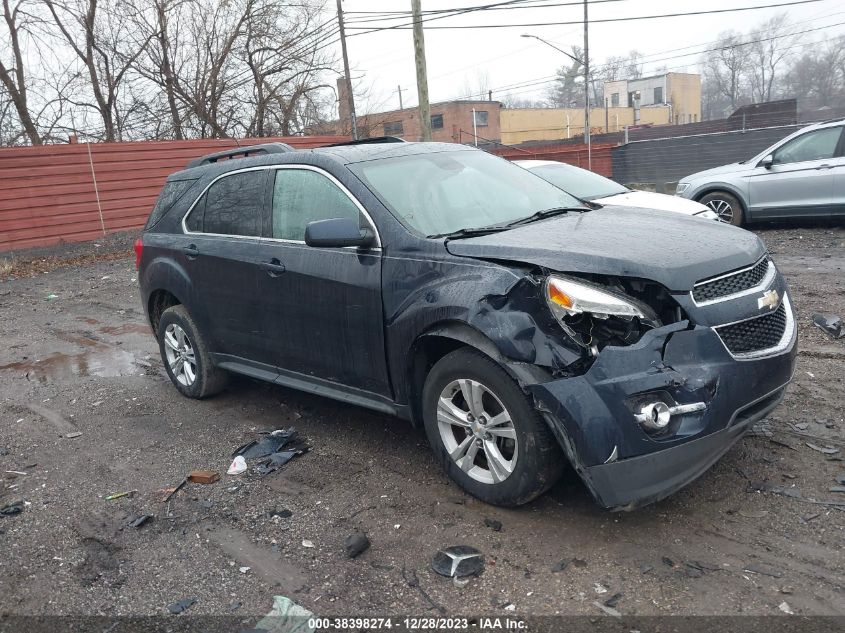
(682, 186)
(568, 298)
(594, 317)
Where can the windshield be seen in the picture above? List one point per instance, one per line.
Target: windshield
(579, 182)
(440, 193)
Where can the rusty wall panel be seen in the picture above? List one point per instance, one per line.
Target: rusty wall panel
(47, 193)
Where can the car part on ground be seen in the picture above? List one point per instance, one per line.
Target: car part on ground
(453, 289)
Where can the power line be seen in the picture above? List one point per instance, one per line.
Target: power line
(601, 20)
(549, 79)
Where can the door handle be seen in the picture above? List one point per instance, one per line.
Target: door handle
(191, 251)
(274, 267)
(825, 166)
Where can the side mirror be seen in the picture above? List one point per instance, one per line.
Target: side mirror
(338, 232)
(768, 161)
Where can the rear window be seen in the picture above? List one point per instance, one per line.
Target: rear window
(171, 193)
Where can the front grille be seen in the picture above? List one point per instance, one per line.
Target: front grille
(755, 334)
(731, 284)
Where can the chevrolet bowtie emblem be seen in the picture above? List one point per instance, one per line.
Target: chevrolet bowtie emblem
(770, 299)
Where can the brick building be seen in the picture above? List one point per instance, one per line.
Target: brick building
(451, 121)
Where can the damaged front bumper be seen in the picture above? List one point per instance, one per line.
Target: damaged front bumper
(623, 465)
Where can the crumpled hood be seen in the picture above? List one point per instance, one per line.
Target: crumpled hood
(669, 248)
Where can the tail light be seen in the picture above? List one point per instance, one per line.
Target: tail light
(139, 250)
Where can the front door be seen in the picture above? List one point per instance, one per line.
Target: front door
(800, 181)
(322, 306)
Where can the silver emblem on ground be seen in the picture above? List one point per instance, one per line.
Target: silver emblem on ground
(770, 299)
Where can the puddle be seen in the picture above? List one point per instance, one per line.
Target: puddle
(126, 328)
(103, 363)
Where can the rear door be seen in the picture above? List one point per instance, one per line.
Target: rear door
(322, 306)
(801, 179)
(220, 253)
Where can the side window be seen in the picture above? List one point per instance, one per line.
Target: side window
(231, 206)
(815, 145)
(170, 194)
(301, 196)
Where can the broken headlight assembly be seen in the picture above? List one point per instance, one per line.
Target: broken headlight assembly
(595, 316)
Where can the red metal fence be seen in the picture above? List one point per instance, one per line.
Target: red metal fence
(76, 192)
(564, 153)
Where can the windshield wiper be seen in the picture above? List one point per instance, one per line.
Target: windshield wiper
(546, 213)
(483, 230)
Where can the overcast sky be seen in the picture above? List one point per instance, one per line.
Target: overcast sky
(385, 59)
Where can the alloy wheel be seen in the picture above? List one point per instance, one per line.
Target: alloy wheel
(477, 431)
(723, 209)
(180, 355)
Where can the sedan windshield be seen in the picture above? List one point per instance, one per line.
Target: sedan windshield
(445, 192)
(579, 182)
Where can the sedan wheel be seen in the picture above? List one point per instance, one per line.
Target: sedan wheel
(477, 431)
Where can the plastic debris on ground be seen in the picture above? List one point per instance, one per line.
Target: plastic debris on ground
(274, 450)
(458, 560)
(286, 617)
(237, 466)
(141, 520)
(830, 324)
(11, 509)
(120, 495)
(182, 605)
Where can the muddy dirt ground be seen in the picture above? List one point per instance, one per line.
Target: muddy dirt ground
(77, 356)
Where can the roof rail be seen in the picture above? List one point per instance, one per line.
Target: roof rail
(368, 141)
(242, 152)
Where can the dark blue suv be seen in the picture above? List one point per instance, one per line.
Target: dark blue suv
(521, 327)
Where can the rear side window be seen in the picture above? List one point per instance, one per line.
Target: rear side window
(231, 206)
(170, 195)
(301, 196)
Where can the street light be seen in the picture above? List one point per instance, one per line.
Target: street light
(586, 63)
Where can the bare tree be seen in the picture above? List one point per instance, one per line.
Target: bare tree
(770, 50)
(97, 38)
(13, 75)
(726, 67)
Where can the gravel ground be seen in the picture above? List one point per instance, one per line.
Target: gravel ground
(79, 357)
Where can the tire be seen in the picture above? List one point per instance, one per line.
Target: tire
(725, 205)
(531, 460)
(180, 339)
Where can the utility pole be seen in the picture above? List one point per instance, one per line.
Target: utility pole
(422, 74)
(349, 94)
(586, 88)
(399, 90)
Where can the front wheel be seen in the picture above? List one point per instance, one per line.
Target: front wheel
(485, 431)
(725, 205)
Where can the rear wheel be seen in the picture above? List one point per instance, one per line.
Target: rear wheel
(725, 205)
(485, 431)
(186, 357)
